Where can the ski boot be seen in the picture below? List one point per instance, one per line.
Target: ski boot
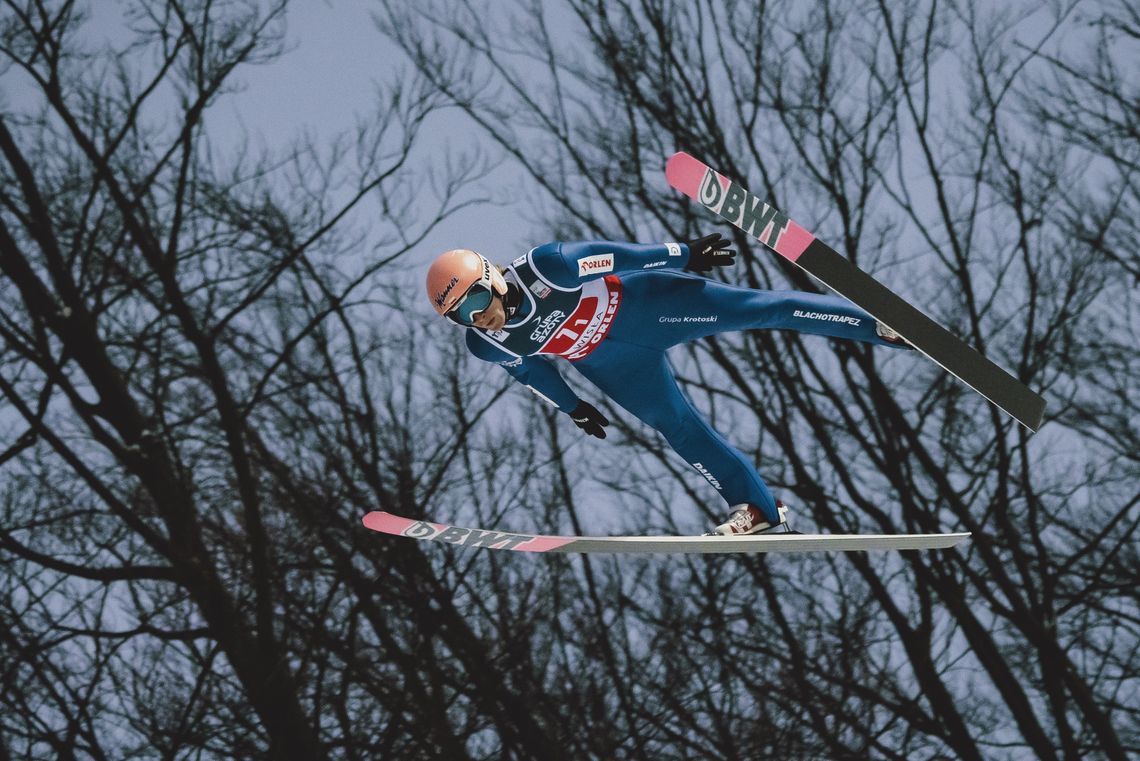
(890, 335)
(747, 519)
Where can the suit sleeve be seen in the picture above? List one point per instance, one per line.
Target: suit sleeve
(536, 373)
(569, 264)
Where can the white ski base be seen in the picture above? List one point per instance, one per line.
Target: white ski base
(762, 543)
(754, 543)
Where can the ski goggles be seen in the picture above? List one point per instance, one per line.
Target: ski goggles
(473, 303)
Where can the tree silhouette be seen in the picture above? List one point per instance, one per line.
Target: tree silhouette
(210, 370)
(945, 147)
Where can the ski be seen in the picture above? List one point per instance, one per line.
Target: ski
(494, 539)
(776, 231)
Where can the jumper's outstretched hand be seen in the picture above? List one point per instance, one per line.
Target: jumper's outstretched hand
(708, 252)
(587, 417)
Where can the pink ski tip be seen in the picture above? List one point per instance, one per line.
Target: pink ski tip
(386, 522)
(685, 173)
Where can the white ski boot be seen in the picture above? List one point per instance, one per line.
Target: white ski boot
(747, 519)
(890, 334)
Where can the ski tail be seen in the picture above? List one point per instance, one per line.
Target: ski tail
(775, 230)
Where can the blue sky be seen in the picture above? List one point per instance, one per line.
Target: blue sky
(327, 80)
(322, 86)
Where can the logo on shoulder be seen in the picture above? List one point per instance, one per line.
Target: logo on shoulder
(516, 362)
(651, 265)
(673, 248)
(593, 265)
(519, 261)
(539, 289)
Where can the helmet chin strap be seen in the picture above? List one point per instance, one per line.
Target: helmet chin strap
(512, 300)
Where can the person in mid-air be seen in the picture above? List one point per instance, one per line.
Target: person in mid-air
(613, 309)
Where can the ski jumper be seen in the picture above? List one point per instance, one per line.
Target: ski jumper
(613, 309)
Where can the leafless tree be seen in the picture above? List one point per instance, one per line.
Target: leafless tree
(196, 415)
(204, 387)
(980, 159)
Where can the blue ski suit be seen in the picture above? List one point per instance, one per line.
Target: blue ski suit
(613, 309)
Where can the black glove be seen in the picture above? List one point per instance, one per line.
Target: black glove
(587, 417)
(708, 252)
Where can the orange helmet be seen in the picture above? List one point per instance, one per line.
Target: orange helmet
(455, 274)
